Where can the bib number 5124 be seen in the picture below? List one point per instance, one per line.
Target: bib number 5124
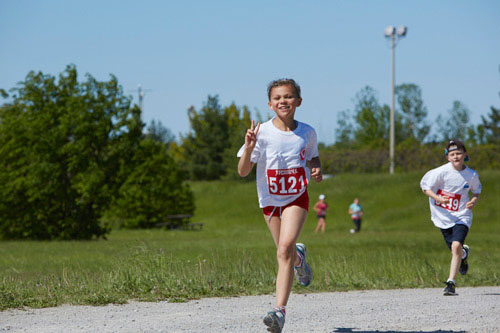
(286, 181)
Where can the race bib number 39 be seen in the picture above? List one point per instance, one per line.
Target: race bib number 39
(286, 181)
(454, 202)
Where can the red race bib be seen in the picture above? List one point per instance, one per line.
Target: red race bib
(454, 202)
(286, 181)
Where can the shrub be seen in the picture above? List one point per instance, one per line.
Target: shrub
(153, 190)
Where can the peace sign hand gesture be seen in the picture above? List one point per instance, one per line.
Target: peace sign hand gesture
(245, 165)
(251, 136)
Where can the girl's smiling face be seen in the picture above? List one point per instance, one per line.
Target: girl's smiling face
(284, 101)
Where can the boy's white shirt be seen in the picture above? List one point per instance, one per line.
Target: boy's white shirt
(287, 151)
(458, 183)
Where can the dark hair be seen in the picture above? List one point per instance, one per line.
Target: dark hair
(283, 82)
(453, 142)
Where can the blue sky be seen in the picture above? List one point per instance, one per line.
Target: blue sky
(185, 50)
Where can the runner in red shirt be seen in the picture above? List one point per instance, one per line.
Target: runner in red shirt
(320, 208)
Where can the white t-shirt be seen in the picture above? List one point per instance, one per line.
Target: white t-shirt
(281, 156)
(445, 180)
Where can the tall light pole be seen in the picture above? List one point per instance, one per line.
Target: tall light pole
(394, 35)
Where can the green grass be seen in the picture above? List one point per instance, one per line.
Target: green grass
(234, 253)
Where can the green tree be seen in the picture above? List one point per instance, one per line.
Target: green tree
(413, 112)
(153, 190)
(156, 131)
(344, 133)
(456, 125)
(491, 126)
(63, 145)
(372, 120)
(205, 143)
(238, 120)
(215, 133)
(489, 130)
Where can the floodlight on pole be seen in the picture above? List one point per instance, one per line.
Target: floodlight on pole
(394, 34)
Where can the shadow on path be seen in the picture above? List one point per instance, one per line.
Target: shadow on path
(354, 330)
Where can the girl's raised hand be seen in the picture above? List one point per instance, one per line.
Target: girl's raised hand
(251, 136)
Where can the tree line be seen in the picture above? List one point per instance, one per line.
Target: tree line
(76, 159)
(362, 136)
(208, 151)
(368, 124)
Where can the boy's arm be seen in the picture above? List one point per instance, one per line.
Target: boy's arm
(470, 205)
(475, 191)
(442, 199)
(315, 165)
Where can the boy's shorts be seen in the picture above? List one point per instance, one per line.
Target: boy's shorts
(302, 202)
(456, 233)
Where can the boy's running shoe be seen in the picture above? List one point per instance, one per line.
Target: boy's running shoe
(449, 290)
(275, 320)
(303, 273)
(464, 265)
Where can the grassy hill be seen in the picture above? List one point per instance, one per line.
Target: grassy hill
(234, 254)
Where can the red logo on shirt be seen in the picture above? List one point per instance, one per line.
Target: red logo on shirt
(302, 154)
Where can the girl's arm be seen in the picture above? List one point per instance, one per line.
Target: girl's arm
(245, 165)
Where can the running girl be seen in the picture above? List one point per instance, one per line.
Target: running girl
(283, 149)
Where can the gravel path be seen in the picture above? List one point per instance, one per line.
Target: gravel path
(406, 310)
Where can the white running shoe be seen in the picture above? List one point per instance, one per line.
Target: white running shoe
(303, 273)
(464, 264)
(275, 320)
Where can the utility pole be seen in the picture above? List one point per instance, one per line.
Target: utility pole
(141, 93)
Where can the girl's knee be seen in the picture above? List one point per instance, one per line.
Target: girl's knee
(286, 251)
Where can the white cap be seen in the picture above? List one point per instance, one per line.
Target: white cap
(321, 197)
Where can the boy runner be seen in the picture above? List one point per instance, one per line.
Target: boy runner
(448, 189)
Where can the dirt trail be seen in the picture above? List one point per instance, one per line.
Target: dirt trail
(407, 310)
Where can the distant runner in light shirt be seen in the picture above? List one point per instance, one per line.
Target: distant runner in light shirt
(448, 189)
(286, 154)
(356, 212)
